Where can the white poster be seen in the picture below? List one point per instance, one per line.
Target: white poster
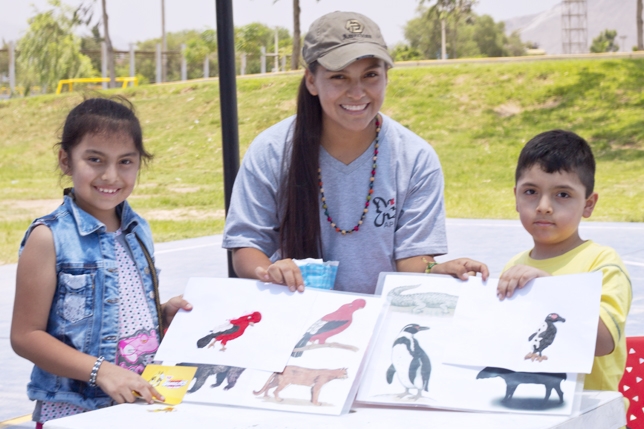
(326, 334)
(548, 326)
(235, 322)
(407, 366)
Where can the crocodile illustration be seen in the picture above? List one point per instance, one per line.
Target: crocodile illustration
(420, 301)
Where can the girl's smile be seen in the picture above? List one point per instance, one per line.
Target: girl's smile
(103, 168)
(351, 97)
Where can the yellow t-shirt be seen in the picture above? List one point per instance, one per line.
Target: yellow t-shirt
(614, 307)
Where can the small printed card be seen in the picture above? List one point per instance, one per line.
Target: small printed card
(170, 381)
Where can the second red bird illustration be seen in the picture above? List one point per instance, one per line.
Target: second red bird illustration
(329, 325)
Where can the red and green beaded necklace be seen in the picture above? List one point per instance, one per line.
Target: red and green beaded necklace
(366, 205)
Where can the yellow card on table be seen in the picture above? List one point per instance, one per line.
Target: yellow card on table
(170, 381)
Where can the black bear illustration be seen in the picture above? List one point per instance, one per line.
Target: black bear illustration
(230, 373)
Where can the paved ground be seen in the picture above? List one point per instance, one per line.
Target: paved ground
(491, 241)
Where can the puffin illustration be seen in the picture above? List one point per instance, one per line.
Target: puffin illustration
(410, 361)
(329, 325)
(544, 336)
(229, 331)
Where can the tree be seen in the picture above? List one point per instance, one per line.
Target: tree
(454, 11)
(403, 52)
(251, 37)
(605, 42)
(514, 46)
(198, 47)
(478, 36)
(92, 43)
(50, 51)
(297, 35)
(490, 37)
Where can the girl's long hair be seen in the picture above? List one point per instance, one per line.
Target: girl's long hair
(300, 234)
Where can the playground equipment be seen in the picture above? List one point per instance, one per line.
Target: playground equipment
(71, 82)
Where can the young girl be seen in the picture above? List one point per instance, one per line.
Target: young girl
(340, 181)
(86, 311)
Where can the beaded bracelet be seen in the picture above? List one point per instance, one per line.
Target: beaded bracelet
(430, 265)
(94, 373)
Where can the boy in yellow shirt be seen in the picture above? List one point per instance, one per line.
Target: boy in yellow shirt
(554, 182)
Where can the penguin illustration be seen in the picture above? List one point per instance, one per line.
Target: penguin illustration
(410, 362)
(544, 336)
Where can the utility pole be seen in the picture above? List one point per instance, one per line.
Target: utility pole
(640, 27)
(109, 57)
(228, 102)
(443, 47)
(295, 57)
(12, 68)
(276, 66)
(132, 64)
(164, 45)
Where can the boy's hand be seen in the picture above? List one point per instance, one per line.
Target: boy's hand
(170, 308)
(283, 272)
(461, 268)
(516, 278)
(121, 384)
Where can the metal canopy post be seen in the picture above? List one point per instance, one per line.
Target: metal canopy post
(228, 101)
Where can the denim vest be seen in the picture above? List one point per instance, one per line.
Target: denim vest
(85, 309)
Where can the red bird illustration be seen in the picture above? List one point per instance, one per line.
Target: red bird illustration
(329, 325)
(234, 329)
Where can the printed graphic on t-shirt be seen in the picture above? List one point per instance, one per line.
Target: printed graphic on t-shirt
(385, 212)
(138, 350)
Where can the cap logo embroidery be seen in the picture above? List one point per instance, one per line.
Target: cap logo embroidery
(354, 26)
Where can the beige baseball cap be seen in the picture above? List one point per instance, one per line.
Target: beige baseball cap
(337, 39)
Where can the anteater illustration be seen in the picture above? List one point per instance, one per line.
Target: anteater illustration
(222, 372)
(513, 379)
(420, 301)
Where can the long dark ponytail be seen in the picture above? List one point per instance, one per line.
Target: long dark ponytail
(300, 234)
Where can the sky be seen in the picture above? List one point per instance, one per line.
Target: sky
(133, 21)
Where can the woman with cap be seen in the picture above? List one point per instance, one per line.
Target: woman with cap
(340, 180)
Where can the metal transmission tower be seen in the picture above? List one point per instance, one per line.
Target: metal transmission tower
(574, 26)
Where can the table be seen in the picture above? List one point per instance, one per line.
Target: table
(602, 410)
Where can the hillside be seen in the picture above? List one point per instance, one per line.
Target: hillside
(545, 28)
(477, 116)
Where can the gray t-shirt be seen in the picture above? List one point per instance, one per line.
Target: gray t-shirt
(406, 215)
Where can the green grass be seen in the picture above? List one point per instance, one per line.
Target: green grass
(477, 117)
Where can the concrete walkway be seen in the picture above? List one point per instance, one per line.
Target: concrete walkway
(491, 241)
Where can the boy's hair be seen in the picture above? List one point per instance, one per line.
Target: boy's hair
(102, 115)
(558, 150)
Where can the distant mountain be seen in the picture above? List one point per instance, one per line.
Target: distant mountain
(545, 28)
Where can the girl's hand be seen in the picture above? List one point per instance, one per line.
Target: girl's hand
(283, 272)
(462, 268)
(170, 308)
(516, 278)
(121, 384)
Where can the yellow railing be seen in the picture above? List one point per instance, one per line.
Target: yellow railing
(71, 82)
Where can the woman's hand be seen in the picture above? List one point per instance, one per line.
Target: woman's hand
(121, 384)
(283, 272)
(516, 278)
(172, 306)
(461, 268)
